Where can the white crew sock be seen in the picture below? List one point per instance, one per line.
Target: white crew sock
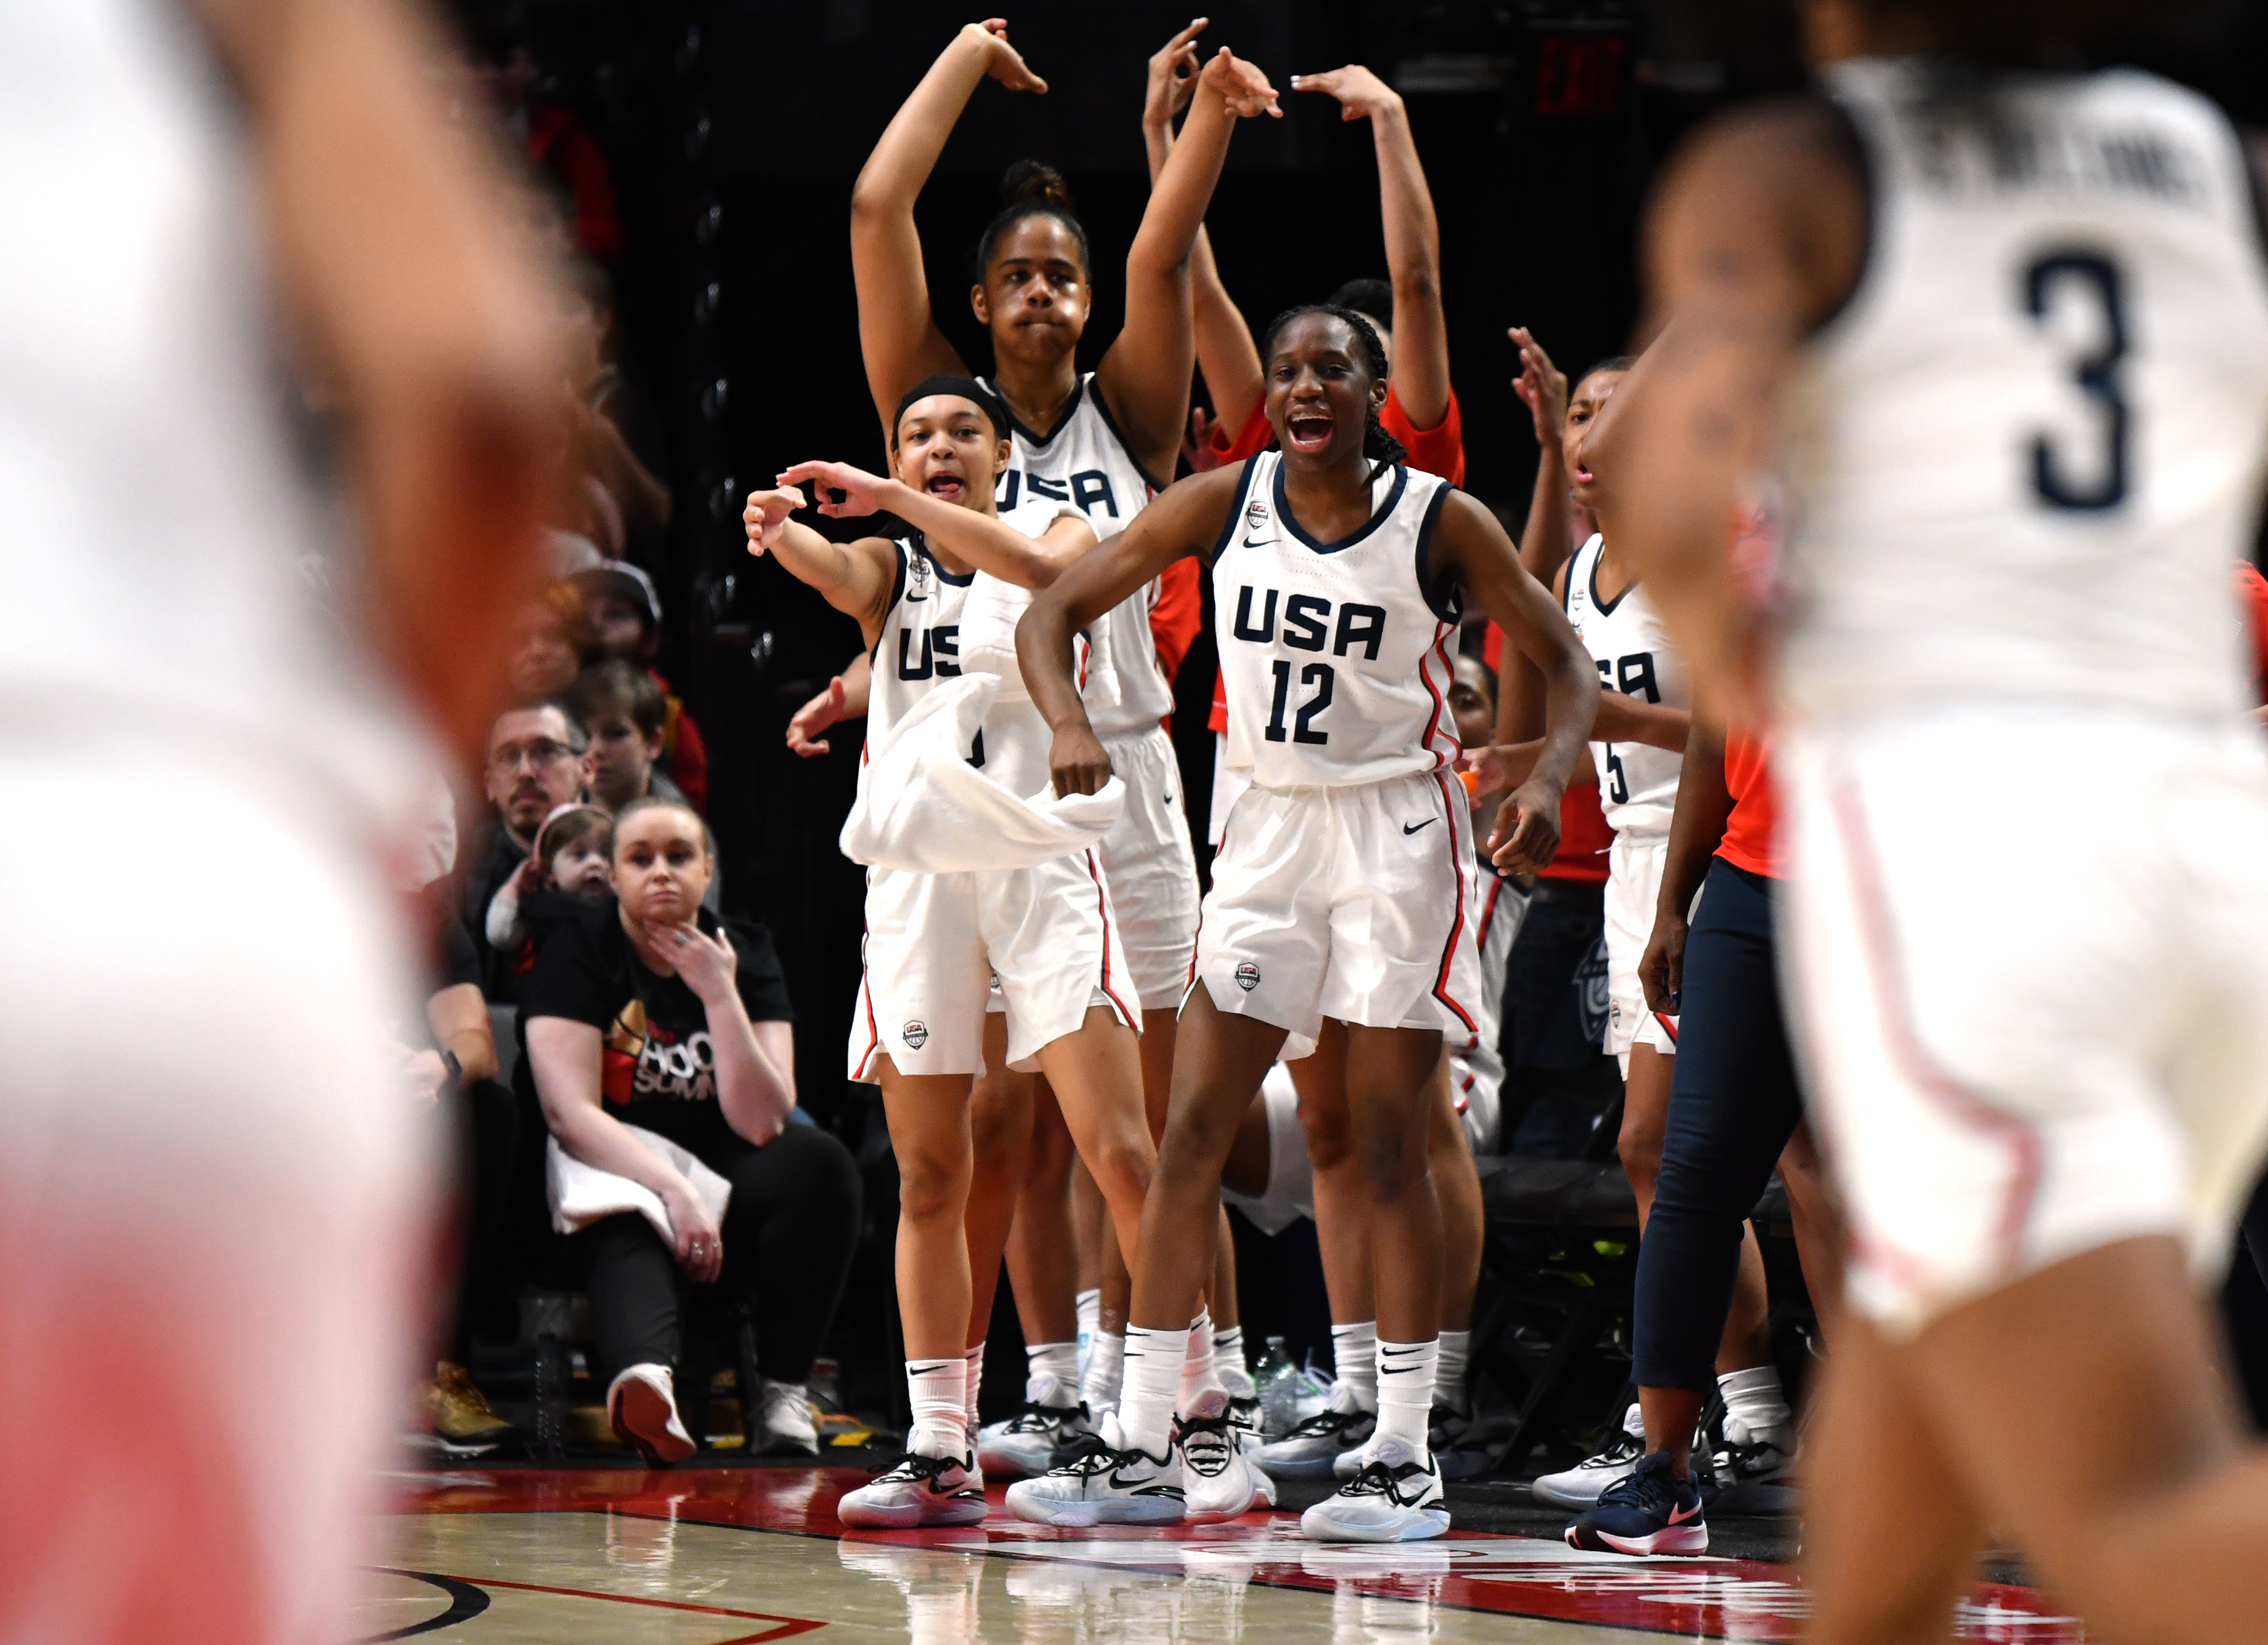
(974, 1359)
(1354, 1361)
(1197, 1364)
(1228, 1362)
(1755, 1398)
(1058, 1360)
(1634, 1422)
(939, 1391)
(1089, 1305)
(1106, 1371)
(1153, 1377)
(1405, 1391)
(1450, 1380)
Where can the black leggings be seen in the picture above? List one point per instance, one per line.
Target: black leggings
(1733, 1103)
(788, 1232)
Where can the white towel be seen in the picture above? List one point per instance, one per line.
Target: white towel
(924, 809)
(581, 1195)
(989, 617)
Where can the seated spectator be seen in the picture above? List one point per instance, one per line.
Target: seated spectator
(573, 862)
(648, 1014)
(626, 626)
(628, 718)
(539, 760)
(549, 644)
(450, 1060)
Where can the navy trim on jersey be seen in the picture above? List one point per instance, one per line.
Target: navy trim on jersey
(897, 593)
(1379, 518)
(1606, 608)
(1862, 162)
(1016, 423)
(1102, 411)
(921, 546)
(1442, 595)
(1235, 513)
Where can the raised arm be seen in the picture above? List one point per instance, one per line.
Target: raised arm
(1226, 356)
(855, 577)
(1468, 541)
(1145, 376)
(1545, 540)
(898, 334)
(984, 541)
(1757, 236)
(430, 317)
(1186, 519)
(1413, 240)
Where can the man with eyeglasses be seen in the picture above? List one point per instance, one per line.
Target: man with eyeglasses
(539, 760)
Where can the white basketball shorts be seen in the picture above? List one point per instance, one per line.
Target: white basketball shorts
(213, 1185)
(1342, 902)
(1633, 883)
(936, 942)
(1152, 870)
(2024, 954)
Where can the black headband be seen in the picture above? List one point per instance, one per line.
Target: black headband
(968, 388)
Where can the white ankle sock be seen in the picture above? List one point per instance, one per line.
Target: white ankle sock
(939, 1391)
(1105, 1372)
(1089, 1307)
(1405, 1391)
(1354, 1361)
(1058, 1360)
(1634, 1422)
(1755, 1398)
(1228, 1361)
(1153, 1378)
(1197, 1362)
(1449, 1380)
(974, 1359)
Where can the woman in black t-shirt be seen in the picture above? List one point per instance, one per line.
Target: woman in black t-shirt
(641, 1013)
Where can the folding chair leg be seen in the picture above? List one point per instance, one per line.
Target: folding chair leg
(1581, 1335)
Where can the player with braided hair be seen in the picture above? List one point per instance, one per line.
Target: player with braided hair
(1339, 896)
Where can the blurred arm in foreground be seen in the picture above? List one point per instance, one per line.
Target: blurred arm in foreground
(394, 252)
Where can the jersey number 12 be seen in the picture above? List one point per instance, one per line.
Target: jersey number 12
(1319, 675)
(2086, 276)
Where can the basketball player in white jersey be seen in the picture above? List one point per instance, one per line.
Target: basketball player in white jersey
(1104, 440)
(934, 941)
(212, 1183)
(2014, 328)
(1340, 892)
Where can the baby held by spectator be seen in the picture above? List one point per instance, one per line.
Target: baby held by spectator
(572, 864)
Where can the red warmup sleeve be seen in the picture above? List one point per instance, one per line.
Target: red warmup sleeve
(1440, 450)
(1250, 440)
(1176, 614)
(556, 143)
(2252, 589)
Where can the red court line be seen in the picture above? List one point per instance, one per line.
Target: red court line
(788, 1625)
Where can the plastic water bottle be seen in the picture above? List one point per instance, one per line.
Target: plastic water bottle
(1277, 1382)
(551, 1378)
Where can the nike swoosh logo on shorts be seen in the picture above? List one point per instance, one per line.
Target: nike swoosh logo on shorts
(1408, 828)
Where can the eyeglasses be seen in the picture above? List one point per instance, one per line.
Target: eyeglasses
(540, 753)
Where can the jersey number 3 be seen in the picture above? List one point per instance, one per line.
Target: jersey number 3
(2084, 276)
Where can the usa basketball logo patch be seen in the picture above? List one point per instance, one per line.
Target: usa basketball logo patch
(1247, 976)
(916, 1034)
(1255, 514)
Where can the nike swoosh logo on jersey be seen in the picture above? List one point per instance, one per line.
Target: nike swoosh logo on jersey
(1260, 542)
(1410, 828)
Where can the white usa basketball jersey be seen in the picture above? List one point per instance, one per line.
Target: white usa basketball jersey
(2026, 453)
(920, 639)
(1335, 655)
(1086, 462)
(1638, 783)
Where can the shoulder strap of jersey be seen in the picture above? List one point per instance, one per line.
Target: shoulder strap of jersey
(1250, 466)
(897, 593)
(1093, 392)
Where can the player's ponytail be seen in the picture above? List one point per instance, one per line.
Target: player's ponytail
(1031, 189)
(1381, 448)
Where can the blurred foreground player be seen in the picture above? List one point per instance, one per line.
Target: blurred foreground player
(2014, 328)
(213, 1186)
